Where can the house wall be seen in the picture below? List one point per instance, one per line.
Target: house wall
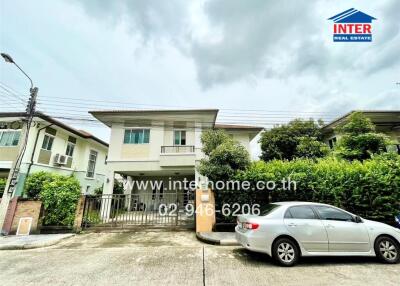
(159, 136)
(134, 159)
(242, 137)
(8, 153)
(43, 160)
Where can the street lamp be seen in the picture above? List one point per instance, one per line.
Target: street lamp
(9, 59)
(14, 178)
(30, 111)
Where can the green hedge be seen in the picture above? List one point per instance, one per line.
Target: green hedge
(370, 188)
(3, 182)
(59, 194)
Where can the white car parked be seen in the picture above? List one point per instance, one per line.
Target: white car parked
(288, 230)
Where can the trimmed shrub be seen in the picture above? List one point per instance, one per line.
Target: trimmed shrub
(370, 188)
(34, 183)
(60, 197)
(59, 194)
(3, 182)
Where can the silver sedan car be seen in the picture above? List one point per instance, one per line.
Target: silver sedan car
(288, 230)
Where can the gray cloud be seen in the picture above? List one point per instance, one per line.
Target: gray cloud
(271, 39)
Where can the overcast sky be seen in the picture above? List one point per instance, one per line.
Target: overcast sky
(272, 56)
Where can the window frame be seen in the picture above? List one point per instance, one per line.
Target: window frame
(14, 131)
(89, 164)
(73, 149)
(336, 209)
(50, 136)
(297, 206)
(130, 136)
(332, 142)
(180, 137)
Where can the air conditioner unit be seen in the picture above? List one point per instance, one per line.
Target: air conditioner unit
(60, 159)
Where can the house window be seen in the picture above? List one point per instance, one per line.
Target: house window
(47, 142)
(137, 136)
(332, 142)
(70, 149)
(70, 146)
(91, 164)
(179, 137)
(9, 138)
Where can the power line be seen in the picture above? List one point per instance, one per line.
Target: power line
(12, 94)
(78, 101)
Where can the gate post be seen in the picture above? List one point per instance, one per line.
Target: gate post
(205, 210)
(80, 209)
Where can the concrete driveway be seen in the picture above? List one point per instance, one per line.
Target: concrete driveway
(175, 258)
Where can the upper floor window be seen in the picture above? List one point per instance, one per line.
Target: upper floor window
(9, 138)
(137, 136)
(179, 137)
(47, 142)
(332, 142)
(70, 146)
(70, 149)
(48, 138)
(91, 164)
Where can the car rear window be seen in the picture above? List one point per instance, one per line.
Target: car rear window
(267, 209)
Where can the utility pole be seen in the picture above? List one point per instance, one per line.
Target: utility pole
(12, 181)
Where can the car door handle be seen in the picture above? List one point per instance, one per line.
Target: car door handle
(330, 226)
(292, 224)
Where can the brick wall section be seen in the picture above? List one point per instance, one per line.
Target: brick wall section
(79, 214)
(26, 208)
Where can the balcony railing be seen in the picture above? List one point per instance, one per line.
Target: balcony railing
(177, 149)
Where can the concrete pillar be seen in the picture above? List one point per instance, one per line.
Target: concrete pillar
(128, 183)
(79, 214)
(205, 210)
(106, 199)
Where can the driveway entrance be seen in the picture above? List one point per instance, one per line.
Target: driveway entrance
(167, 210)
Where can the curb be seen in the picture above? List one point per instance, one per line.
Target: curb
(34, 245)
(210, 240)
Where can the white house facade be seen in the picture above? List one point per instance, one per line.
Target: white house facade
(162, 145)
(54, 147)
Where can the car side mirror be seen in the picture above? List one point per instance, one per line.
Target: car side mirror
(357, 219)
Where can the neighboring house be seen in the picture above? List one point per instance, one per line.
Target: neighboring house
(161, 145)
(385, 121)
(54, 147)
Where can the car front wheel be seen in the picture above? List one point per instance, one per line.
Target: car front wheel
(285, 252)
(387, 250)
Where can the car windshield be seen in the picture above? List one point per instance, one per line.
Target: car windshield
(267, 209)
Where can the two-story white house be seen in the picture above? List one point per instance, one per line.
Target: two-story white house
(162, 145)
(54, 147)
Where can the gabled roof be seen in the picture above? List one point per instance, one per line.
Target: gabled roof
(238, 127)
(378, 117)
(38, 114)
(108, 117)
(352, 16)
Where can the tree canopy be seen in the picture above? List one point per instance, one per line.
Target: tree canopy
(298, 138)
(225, 156)
(359, 139)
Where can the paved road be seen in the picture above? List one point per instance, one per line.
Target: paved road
(175, 258)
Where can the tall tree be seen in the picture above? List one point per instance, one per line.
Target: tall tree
(359, 139)
(225, 156)
(298, 138)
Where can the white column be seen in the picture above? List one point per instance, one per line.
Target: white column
(106, 198)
